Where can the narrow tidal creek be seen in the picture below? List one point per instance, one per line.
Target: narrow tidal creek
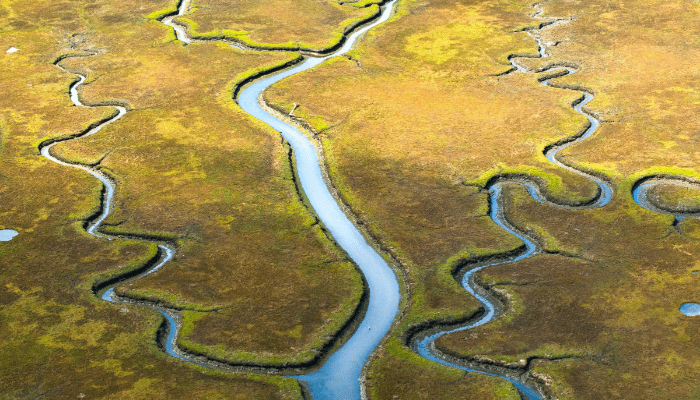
(424, 343)
(640, 194)
(165, 251)
(338, 377)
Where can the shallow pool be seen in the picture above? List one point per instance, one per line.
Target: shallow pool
(690, 309)
(7, 234)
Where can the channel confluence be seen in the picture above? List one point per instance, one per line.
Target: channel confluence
(338, 377)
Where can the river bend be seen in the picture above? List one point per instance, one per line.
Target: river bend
(165, 251)
(424, 342)
(339, 376)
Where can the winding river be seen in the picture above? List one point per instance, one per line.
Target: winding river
(424, 342)
(165, 251)
(339, 376)
(640, 194)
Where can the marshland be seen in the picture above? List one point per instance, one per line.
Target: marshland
(365, 199)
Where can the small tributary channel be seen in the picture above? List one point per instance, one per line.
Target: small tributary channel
(640, 194)
(424, 342)
(338, 377)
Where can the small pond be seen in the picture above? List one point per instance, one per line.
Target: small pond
(7, 234)
(690, 309)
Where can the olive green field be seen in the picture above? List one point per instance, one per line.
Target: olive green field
(414, 124)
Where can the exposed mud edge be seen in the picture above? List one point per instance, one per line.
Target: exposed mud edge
(362, 225)
(106, 103)
(498, 298)
(236, 92)
(542, 187)
(250, 79)
(520, 370)
(95, 213)
(291, 159)
(336, 340)
(76, 54)
(245, 45)
(305, 390)
(85, 223)
(101, 283)
(671, 180)
(418, 331)
(79, 134)
(202, 358)
(351, 2)
(153, 238)
(666, 179)
(538, 182)
(305, 52)
(460, 267)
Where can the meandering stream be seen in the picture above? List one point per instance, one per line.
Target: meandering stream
(165, 251)
(640, 194)
(339, 376)
(424, 343)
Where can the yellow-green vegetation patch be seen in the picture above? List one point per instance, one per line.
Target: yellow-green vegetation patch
(178, 158)
(416, 120)
(278, 24)
(400, 373)
(443, 43)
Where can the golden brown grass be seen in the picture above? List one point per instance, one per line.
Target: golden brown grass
(413, 120)
(203, 159)
(613, 308)
(675, 197)
(56, 339)
(187, 164)
(620, 309)
(307, 24)
(640, 60)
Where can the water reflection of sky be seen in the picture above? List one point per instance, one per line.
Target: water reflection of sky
(7, 234)
(690, 309)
